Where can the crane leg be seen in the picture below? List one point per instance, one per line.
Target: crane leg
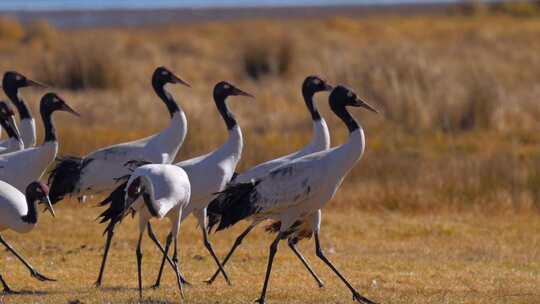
(273, 250)
(110, 234)
(175, 261)
(139, 254)
(292, 245)
(165, 257)
(356, 295)
(165, 252)
(34, 273)
(203, 223)
(6, 290)
(237, 243)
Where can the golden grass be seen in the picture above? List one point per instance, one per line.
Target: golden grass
(390, 257)
(443, 207)
(458, 95)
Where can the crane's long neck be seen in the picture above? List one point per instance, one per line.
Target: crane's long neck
(13, 94)
(346, 117)
(32, 216)
(312, 108)
(166, 97)
(9, 129)
(321, 135)
(148, 195)
(48, 125)
(353, 149)
(227, 116)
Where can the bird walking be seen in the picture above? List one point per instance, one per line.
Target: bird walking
(165, 192)
(320, 141)
(18, 212)
(19, 168)
(97, 171)
(210, 173)
(11, 83)
(7, 120)
(293, 193)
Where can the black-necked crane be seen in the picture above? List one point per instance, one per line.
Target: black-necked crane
(165, 191)
(208, 174)
(11, 83)
(211, 172)
(293, 193)
(320, 141)
(97, 171)
(7, 120)
(18, 212)
(19, 168)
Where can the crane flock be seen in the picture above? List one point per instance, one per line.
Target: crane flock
(140, 177)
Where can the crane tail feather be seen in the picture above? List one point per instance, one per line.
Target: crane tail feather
(65, 176)
(232, 205)
(115, 210)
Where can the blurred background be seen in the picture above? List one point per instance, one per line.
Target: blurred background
(456, 83)
(442, 208)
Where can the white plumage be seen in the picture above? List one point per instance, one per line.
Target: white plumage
(210, 173)
(97, 171)
(22, 167)
(166, 192)
(11, 83)
(28, 132)
(295, 192)
(18, 212)
(320, 141)
(7, 120)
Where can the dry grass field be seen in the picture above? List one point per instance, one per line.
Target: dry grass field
(390, 257)
(443, 207)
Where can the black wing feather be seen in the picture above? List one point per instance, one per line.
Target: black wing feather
(116, 205)
(232, 205)
(64, 176)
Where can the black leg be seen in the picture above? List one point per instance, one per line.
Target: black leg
(208, 246)
(139, 263)
(110, 234)
(153, 237)
(7, 290)
(273, 250)
(175, 261)
(163, 260)
(34, 273)
(356, 295)
(292, 245)
(237, 243)
(165, 257)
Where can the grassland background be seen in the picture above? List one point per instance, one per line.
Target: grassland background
(443, 207)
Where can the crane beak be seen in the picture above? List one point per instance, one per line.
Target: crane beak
(49, 206)
(176, 79)
(361, 103)
(328, 87)
(68, 109)
(33, 83)
(238, 92)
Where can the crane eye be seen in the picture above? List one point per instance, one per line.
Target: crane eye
(349, 94)
(164, 73)
(316, 81)
(226, 86)
(18, 78)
